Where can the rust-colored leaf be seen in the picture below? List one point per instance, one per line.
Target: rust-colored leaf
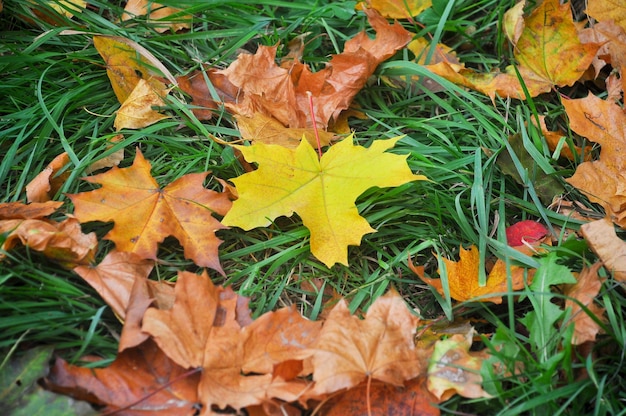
(276, 337)
(144, 214)
(183, 330)
(411, 400)
(283, 93)
(35, 210)
(381, 346)
(140, 381)
(196, 86)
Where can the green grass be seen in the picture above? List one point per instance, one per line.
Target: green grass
(58, 98)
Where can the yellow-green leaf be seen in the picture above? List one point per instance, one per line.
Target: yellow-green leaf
(322, 191)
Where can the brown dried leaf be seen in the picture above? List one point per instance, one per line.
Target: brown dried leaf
(585, 291)
(140, 381)
(43, 187)
(381, 346)
(611, 249)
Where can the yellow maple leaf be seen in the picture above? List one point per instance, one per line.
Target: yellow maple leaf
(397, 9)
(322, 191)
(463, 278)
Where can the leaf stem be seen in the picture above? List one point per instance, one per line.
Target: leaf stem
(317, 136)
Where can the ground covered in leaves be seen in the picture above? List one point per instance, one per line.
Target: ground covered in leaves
(280, 208)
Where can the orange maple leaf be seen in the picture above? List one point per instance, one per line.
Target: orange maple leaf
(463, 278)
(381, 346)
(601, 180)
(145, 214)
(397, 9)
(610, 248)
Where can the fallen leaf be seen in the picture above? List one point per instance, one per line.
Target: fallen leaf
(265, 129)
(513, 22)
(548, 50)
(145, 214)
(322, 192)
(34, 210)
(276, 337)
(381, 346)
(545, 184)
(157, 15)
(182, 331)
(463, 278)
(453, 369)
(196, 86)
(62, 242)
(121, 279)
(109, 161)
(550, 47)
(283, 93)
(140, 381)
(397, 9)
(46, 184)
(615, 11)
(601, 180)
(136, 112)
(584, 291)
(611, 249)
(553, 138)
(125, 66)
(411, 400)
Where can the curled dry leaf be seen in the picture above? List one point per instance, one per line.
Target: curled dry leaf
(381, 346)
(584, 291)
(144, 214)
(140, 381)
(62, 242)
(463, 278)
(34, 210)
(43, 187)
(611, 249)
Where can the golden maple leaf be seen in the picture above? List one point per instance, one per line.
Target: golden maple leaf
(322, 191)
(463, 278)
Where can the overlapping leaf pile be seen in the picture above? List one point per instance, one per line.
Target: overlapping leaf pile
(197, 344)
(193, 343)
